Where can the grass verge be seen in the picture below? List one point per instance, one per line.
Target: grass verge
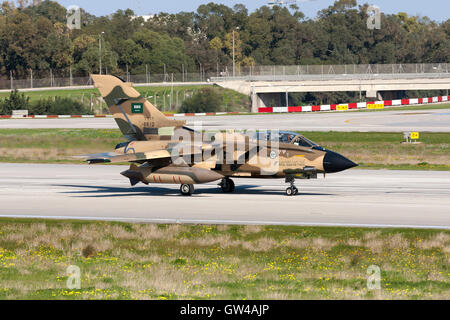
(371, 150)
(145, 261)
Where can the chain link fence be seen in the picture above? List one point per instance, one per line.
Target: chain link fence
(54, 82)
(254, 73)
(342, 72)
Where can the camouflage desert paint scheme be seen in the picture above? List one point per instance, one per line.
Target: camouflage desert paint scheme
(163, 150)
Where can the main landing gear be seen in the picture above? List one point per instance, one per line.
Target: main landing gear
(227, 185)
(292, 190)
(187, 189)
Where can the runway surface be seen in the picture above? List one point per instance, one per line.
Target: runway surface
(353, 198)
(383, 121)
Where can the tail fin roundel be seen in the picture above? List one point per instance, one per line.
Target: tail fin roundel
(137, 118)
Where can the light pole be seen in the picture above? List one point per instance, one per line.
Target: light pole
(100, 50)
(234, 59)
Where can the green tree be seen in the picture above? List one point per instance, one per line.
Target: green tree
(131, 54)
(228, 45)
(216, 44)
(214, 20)
(90, 62)
(33, 42)
(160, 50)
(51, 10)
(80, 45)
(15, 101)
(206, 100)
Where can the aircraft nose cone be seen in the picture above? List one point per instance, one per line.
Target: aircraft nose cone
(334, 162)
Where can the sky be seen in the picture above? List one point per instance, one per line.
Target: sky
(438, 10)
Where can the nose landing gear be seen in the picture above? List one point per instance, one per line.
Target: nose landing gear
(292, 190)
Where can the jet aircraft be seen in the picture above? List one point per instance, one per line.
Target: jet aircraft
(163, 150)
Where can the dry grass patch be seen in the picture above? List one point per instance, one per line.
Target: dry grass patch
(441, 240)
(223, 241)
(153, 232)
(262, 244)
(252, 229)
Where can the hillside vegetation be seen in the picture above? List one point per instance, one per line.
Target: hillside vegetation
(35, 37)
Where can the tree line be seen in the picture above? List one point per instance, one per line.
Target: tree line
(34, 36)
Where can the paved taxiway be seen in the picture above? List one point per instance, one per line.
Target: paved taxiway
(352, 198)
(384, 121)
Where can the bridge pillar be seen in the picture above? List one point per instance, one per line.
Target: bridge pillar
(255, 102)
(262, 100)
(372, 94)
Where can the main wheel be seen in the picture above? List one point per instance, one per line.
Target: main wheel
(187, 189)
(227, 186)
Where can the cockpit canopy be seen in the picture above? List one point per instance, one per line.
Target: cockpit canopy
(292, 138)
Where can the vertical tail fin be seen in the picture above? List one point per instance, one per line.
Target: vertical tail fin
(137, 118)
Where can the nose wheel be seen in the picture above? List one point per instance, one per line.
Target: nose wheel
(292, 190)
(227, 185)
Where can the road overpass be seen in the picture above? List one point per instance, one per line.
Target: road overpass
(272, 93)
(375, 81)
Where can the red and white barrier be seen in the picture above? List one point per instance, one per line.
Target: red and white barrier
(110, 116)
(353, 106)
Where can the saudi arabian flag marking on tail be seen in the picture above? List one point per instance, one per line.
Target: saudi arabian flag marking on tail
(137, 108)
